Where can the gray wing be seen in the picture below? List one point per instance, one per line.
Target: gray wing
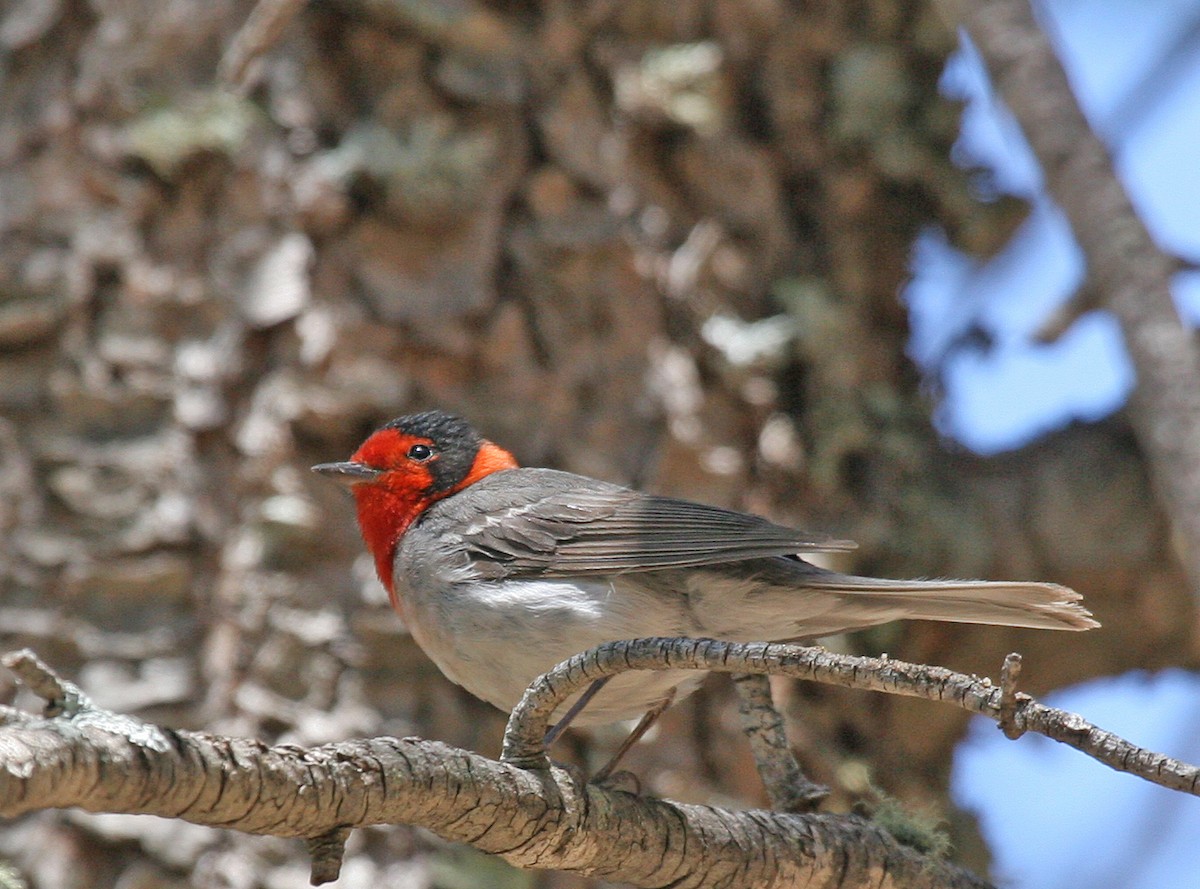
(539, 522)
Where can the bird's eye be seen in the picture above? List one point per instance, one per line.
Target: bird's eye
(420, 452)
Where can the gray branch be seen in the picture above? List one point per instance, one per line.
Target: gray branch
(1018, 712)
(522, 808)
(788, 788)
(535, 818)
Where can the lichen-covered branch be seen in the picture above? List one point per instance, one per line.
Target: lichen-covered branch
(1127, 271)
(538, 818)
(526, 728)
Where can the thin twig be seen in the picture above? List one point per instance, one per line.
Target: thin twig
(788, 788)
(67, 700)
(327, 852)
(1010, 672)
(61, 697)
(523, 737)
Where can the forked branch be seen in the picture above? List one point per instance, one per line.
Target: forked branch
(1014, 711)
(540, 818)
(522, 808)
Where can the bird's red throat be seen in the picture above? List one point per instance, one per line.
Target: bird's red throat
(388, 506)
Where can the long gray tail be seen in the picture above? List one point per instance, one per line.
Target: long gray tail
(1043, 606)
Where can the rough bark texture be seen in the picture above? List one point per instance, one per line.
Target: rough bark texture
(539, 818)
(1015, 711)
(522, 808)
(531, 215)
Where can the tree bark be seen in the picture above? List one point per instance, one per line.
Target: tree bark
(536, 818)
(524, 809)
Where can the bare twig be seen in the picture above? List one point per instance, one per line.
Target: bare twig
(65, 699)
(788, 789)
(61, 697)
(523, 737)
(1085, 299)
(533, 815)
(1010, 672)
(327, 852)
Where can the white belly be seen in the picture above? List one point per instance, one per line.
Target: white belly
(494, 639)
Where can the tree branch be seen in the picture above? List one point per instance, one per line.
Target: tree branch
(541, 818)
(1131, 274)
(788, 788)
(522, 808)
(526, 727)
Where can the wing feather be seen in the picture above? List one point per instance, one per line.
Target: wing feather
(539, 522)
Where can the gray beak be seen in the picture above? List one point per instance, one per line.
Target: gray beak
(348, 473)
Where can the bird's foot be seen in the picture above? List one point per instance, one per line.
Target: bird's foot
(622, 780)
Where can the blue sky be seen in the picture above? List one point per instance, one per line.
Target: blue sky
(1055, 818)
(1001, 399)
(1052, 816)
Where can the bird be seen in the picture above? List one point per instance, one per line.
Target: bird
(502, 572)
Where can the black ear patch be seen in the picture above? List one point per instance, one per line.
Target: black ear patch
(455, 445)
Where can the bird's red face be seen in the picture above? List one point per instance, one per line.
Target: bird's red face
(403, 469)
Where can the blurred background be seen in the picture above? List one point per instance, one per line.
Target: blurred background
(789, 258)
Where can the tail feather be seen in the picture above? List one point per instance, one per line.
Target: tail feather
(1043, 606)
